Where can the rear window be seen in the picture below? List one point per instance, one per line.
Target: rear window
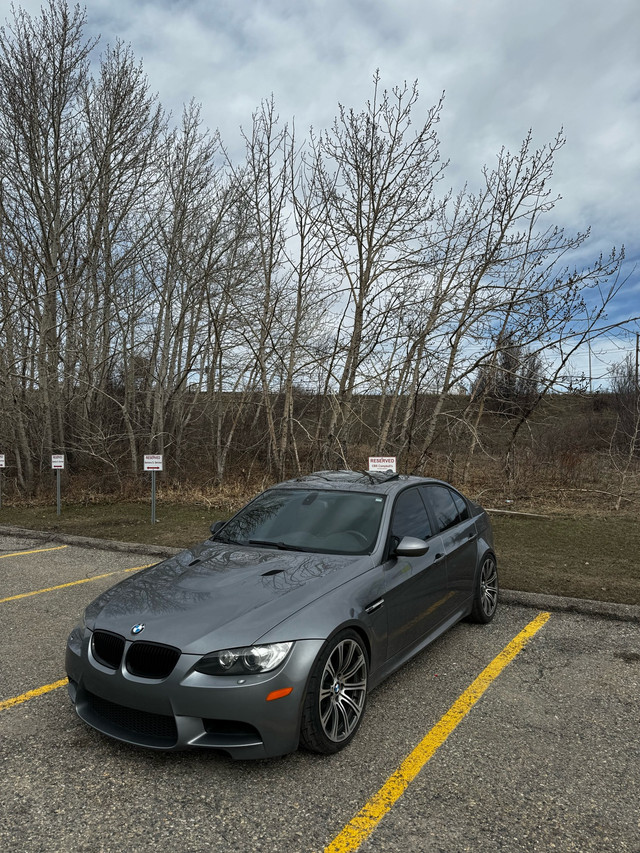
(448, 507)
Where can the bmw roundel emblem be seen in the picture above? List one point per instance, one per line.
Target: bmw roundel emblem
(137, 629)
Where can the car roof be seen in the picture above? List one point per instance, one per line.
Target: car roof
(360, 481)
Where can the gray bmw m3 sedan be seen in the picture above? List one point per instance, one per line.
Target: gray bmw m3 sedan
(271, 633)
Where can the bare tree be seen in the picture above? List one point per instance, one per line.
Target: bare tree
(624, 444)
(189, 239)
(317, 297)
(43, 71)
(123, 126)
(377, 185)
(503, 264)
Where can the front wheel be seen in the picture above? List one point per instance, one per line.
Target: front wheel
(485, 600)
(336, 695)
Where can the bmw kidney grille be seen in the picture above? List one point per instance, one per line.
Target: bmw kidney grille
(145, 660)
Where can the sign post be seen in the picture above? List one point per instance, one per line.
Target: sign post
(57, 463)
(382, 464)
(153, 463)
(2, 463)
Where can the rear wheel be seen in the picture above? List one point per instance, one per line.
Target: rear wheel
(485, 601)
(336, 695)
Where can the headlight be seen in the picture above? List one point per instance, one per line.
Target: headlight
(246, 660)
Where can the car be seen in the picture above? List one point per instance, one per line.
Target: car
(272, 632)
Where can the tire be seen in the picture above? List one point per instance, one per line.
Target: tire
(485, 599)
(336, 695)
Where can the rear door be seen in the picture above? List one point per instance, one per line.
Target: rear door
(450, 515)
(415, 587)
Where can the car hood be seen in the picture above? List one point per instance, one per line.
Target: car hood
(219, 596)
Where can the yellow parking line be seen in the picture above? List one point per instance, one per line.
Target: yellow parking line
(370, 815)
(72, 583)
(37, 551)
(31, 694)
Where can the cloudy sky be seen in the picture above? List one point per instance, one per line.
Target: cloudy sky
(504, 65)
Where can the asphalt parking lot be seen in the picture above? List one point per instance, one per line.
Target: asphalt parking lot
(547, 759)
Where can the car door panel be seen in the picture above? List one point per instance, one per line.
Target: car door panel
(459, 536)
(416, 587)
(415, 595)
(460, 546)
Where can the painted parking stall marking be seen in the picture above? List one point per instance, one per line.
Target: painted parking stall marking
(31, 694)
(365, 821)
(72, 583)
(48, 688)
(36, 551)
(363, 824)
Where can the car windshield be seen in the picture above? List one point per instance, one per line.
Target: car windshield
(331, 522)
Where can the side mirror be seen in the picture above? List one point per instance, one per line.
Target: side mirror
(410, 546)
(217, 525)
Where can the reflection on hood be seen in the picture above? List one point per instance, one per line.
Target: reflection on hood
(197, 592)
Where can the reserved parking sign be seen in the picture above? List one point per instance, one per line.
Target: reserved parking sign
(153, 462)
(382, 463)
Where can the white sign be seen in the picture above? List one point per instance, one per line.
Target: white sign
(153, 462)
(382, 463)
(2, 465)
(57, 461)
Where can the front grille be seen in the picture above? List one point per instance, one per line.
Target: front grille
(107, 648)
(151, 660)
(159, 727)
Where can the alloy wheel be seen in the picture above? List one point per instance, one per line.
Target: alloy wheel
(343, 690)
(489, 586)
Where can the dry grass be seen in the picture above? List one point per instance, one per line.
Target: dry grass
(565, 468)
(582, 555)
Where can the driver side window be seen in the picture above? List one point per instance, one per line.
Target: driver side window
(410, 517)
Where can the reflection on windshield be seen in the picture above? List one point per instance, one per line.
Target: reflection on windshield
(329, 522)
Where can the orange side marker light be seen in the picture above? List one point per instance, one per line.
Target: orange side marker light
(279, 694)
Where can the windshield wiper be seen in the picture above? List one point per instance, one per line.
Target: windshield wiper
(281, 545)
(223, 541)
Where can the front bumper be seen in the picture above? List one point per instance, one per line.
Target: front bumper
(190, 709)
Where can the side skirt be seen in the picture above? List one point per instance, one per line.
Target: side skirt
(388, 668)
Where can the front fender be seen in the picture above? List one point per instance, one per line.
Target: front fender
(344, 607)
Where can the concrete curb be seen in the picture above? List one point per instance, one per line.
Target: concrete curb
(583, 606)
(537, 601)
(89, 542)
